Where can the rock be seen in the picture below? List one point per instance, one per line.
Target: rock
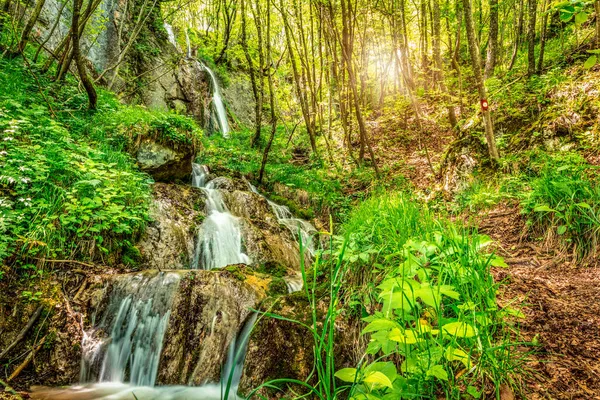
(165, 163)
(177, 211)
(209, 310)
(265, 240)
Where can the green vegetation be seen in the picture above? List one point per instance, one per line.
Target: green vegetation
(68, 188)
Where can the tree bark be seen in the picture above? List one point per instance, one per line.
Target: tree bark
(437, 58)
(252, 75)
(30, 24)
(519, 33)
(490, 62)
(532, 4)
(476, 62)
(543, 35)
(265, 157)
(79, 62)
(597, 7)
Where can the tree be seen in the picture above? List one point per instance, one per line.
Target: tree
(532, 6)
(476, 62)
(76, 54)
(490, 62)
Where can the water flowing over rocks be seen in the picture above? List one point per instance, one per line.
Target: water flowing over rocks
(177, 211)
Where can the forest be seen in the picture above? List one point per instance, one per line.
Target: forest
(299, 199)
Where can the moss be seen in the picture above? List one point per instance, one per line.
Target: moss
(272, 268)
(277, 287)
(304, 213)
(131, 256)
(236, 272)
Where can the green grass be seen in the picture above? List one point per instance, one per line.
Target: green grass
(423, 287)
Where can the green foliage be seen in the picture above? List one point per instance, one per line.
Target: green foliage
(564, 202)
(62, 194)
(437, 310)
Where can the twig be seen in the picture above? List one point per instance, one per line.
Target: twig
(10, 390)
(27, 360)
(66, 262)
(23, 332)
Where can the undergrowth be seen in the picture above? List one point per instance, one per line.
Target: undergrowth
(68, 187)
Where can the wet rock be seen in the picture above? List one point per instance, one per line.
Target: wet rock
(177, 211)
(165, 163)
(265, 239)
(209, 310)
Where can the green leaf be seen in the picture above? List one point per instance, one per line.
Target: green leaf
(580, 18)
(543, 208)
(472, 390)
(561, 229)
(584, 205)
(439, 372)
(377, 378)
(597, 51)
(379, 325)
(459, 329)
(346, 374)
(590, 62)
(453, 354)
(498, 261)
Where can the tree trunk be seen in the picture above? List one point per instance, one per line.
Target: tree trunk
(251, 73)
(532, 4)
(518, 35)
(29, 26)
(79, 62)
(543, 35)
(490, 62)
(437, 58)
(271, 98)
(476, 62)
(597, 7)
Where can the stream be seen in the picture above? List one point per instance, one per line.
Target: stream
(123, 349)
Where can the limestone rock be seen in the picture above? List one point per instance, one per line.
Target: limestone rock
(177, 212)
(165, 163)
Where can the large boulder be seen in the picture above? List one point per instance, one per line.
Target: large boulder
(165, 163)
(177, 211)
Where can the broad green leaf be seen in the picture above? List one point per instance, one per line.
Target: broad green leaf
(453, 354)
(346, 374)
(406, 337)
(590, 62)
(378, 325)
(580, 18)
(561, 229)
(377, 378)
(459, 329)
(584, 205)
(498, 261)
(597, 51)
(439, 372)
(543, 208)
(449, 291)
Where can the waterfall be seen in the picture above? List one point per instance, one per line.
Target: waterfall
(232, 373)
(219, 238)
(188, 46)
(218, 103)
(298, 227)
(171, 35)
(136, 317)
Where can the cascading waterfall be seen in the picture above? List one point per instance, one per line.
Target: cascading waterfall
(219, 238)
(171, 35)
(298, 227)
(136, 317)
(218, 103)
(232, 373)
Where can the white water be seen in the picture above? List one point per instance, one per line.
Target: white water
(136, 317)
(218, 103)
(232, 373)
(171, 35)
(219, 238)
(300, 228)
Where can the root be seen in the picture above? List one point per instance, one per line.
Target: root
(23, 332)
(27, 360)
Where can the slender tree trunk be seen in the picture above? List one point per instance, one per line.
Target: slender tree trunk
(532, 4)
(437, 58)
(271, 98)
(252, 75)
(490, 62)
(259, 74)
(543, 35)
(597, 7)
(519, 33)
(79, 62)
(30, 24)
(476, 61)
(297, 80)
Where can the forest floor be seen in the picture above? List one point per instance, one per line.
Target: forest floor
(561, 303)
(559, 298)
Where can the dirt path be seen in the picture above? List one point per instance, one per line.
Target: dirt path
(561, 303)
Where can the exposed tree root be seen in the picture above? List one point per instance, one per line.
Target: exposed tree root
(23, 332)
